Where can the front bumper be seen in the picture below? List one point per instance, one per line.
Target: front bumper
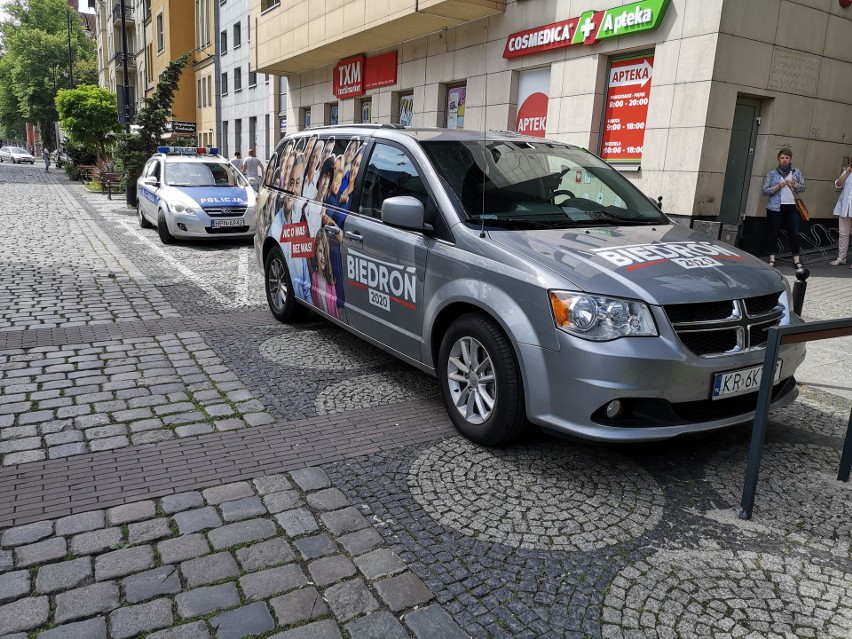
(665, 390)
(201, 225)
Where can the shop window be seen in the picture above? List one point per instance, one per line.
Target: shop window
(455, 105)
(628, 92)
(332, 113)
(366, 111)
(405, 108)
(305, 117)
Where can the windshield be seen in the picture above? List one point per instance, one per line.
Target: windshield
(203, 174)
(17, 149)
(524, 184)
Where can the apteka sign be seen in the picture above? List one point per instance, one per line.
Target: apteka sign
(589, 28)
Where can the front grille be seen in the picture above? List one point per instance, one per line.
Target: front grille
(231, 211)
(711, 329)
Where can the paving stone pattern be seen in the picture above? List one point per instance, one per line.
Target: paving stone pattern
(196, 573)
(385, 523)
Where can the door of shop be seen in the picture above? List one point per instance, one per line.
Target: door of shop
(740, 159)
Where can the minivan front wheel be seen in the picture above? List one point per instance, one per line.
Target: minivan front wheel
(279, 288)
(480, 382)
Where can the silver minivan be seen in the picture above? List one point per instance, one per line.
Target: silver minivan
(538, 284)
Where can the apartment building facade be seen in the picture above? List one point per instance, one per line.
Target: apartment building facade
(690, 99)
(245, 96)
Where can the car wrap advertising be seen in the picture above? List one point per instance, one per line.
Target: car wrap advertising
(316, 177)
(627, 97)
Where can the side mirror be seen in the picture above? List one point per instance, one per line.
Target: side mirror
(151, 181)
(405, 212)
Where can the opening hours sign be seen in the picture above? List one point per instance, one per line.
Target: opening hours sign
(627, 96)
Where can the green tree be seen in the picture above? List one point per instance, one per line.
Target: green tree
(134, 149)
(35, 60)
(88, 113)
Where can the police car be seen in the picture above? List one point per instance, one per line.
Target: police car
(189, 192)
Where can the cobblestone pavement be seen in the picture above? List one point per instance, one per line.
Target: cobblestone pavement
(173, 463)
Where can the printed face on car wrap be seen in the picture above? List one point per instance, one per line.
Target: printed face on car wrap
(317, 178)
(685, 254)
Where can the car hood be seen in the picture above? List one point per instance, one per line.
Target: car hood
(658, 264)
(219, 196)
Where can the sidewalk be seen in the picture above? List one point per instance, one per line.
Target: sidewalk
(174, 462)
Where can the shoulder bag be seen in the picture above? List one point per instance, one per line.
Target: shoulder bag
(800, 205)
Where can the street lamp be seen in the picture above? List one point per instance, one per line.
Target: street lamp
(126, 87)
(70, 51)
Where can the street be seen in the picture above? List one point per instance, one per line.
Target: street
(175, 462)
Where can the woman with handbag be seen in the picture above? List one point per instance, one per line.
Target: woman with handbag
(843, 211)
(783, 184)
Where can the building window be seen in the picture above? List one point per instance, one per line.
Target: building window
(253, 133)
(198, 94)
(210, 90)
(238, 79)
(225, 83)
(252, 78)
(332, 113)
(238, 136)
(161, 41)
(456, 98)
(268, 4)
(225, 138)
(306, 118)
(366, 111)
(223, 42)
(149, 62)
(202, 23)
(266, 134)
(238, 35)
(405, 109)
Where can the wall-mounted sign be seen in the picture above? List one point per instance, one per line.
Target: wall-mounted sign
(353, 76)
(627, 95)
(533, 91)
(589, 28)
(348, 77)
(176, 126)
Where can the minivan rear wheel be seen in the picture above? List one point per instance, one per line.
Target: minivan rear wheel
(279, 289)
(480, 381)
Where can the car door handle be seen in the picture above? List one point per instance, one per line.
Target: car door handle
(355, 236)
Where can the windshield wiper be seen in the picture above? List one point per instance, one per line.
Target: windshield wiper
(621, 219)
(511, 222)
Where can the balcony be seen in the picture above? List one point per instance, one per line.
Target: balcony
(116, 13)
(303, 35)
(118, 58)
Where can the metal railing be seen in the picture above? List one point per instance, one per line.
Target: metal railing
(779, 335)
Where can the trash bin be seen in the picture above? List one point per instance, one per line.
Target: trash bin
(730, 233)
(707, 227)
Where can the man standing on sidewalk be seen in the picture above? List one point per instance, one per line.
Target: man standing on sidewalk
(237, 161)
(253, 169)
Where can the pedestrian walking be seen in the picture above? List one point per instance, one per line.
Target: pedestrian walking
(253, 169)
(237, 161)
(843, 211)
(782, 184)
(45, 155)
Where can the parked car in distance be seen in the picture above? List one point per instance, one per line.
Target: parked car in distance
(16, 155)
(188, 192)
(533, 279)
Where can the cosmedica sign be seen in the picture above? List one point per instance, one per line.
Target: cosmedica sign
(589, 28)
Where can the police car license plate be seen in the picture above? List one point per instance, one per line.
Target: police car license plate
(229, 222)
(745, 380)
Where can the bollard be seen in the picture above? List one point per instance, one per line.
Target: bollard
(799, 288)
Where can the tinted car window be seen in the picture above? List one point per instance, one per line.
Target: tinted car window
(389, 173)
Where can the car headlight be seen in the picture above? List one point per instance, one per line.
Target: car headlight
(180, 207)
(600, 318)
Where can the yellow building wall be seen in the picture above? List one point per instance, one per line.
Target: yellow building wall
(179, 37)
